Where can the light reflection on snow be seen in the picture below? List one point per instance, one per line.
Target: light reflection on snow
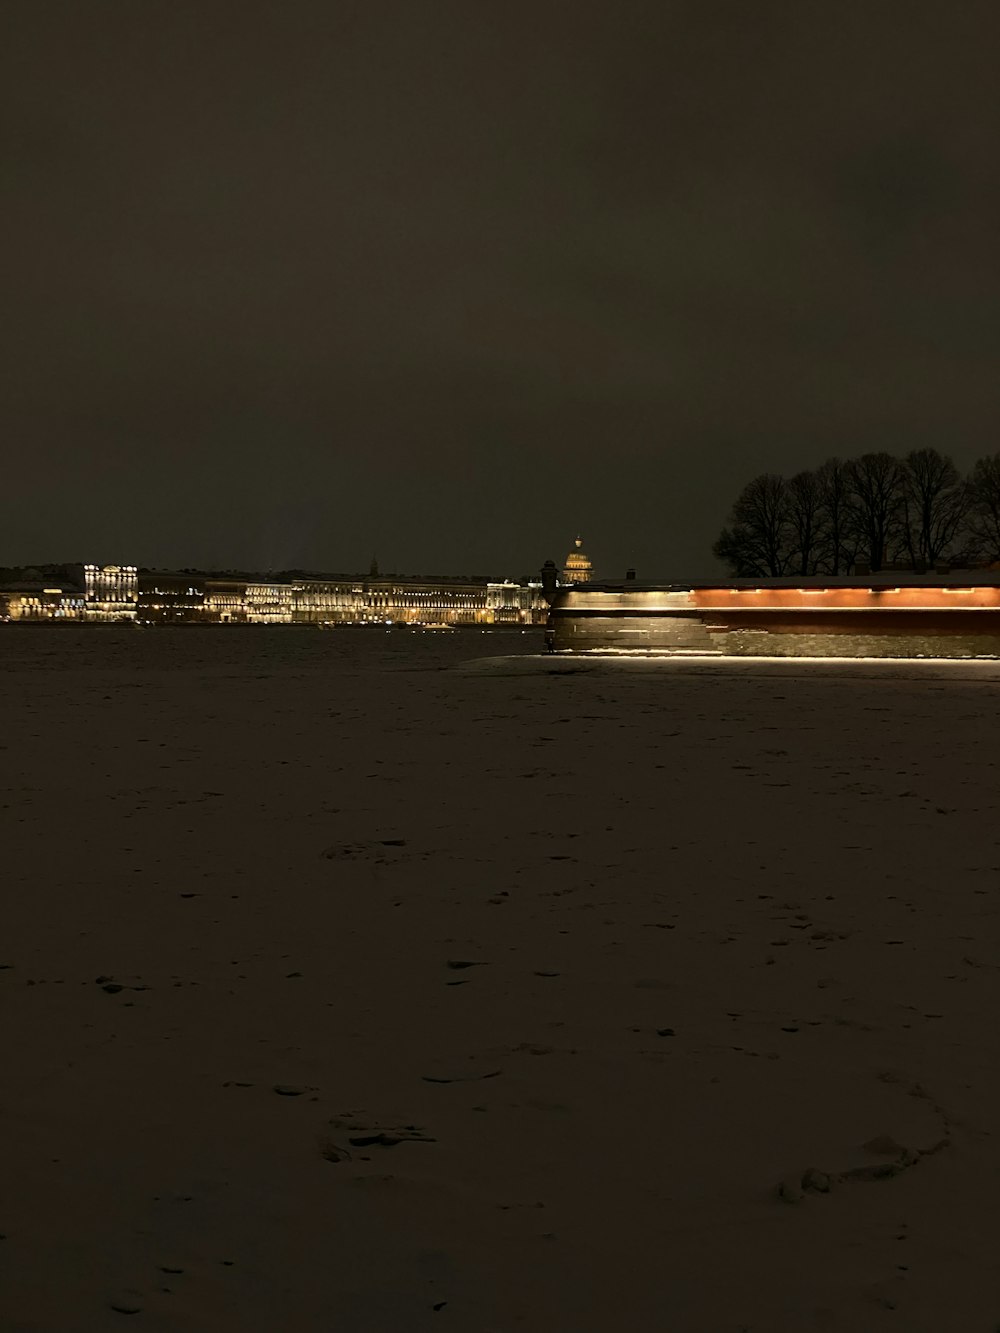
(984, 669)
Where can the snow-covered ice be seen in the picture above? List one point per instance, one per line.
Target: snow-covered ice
(381, 982)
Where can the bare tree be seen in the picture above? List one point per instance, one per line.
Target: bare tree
(839, 525)
(934, 507)
(876, 483)
(984, 507)
(806, 519)
(759, 540)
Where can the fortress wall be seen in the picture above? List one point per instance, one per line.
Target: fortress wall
(760, 643)
(673, 633)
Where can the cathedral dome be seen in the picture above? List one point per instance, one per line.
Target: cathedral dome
(578, 568)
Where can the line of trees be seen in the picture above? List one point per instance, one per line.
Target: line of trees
(866, 512)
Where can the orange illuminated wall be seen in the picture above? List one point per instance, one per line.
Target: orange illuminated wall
(845, 599)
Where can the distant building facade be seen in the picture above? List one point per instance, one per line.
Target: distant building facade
(110, 593)
(92, 593)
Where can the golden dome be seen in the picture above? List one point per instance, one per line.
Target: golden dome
(578, 568)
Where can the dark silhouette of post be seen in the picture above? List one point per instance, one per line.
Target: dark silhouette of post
(550, 578)
(550, 586)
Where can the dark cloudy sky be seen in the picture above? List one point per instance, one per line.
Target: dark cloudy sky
(448, 280)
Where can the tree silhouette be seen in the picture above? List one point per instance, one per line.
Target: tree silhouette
(806, 523)
(758, 542)
(876, 483)
(935, 502)
(840, 526)
(862, 513)
(984, 507)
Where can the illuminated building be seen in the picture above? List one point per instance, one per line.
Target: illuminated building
(111, 592)
(578, 568)
(224, 602)
(428, 601)
(513, 603)
(270, 603)
(328, 601)
(168, 597)
(886, 615)
(72, 592)
(35, 601)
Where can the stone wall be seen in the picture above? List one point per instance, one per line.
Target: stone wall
(678, 634)
(759, 643)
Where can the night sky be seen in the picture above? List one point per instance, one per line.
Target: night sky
(450, 280)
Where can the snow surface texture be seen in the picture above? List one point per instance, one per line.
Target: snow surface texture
(349, 986)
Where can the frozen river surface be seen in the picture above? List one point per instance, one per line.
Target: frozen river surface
(389, 982)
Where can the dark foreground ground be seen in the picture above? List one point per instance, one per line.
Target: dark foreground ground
(346, 988)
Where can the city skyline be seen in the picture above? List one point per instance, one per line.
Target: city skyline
(76, 594)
